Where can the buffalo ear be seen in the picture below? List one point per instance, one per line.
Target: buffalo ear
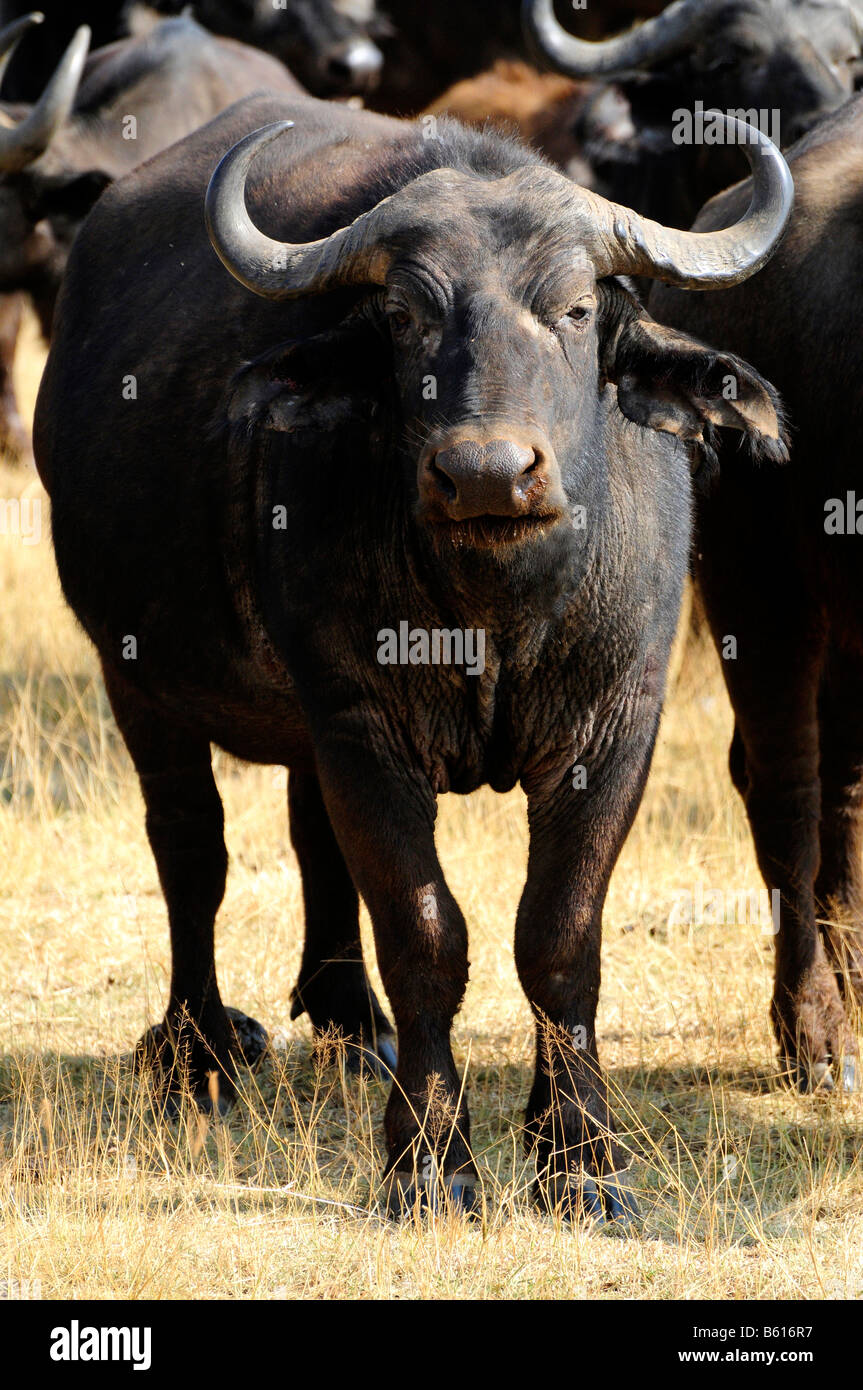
(311, 388)
(669, 381)
(71, 197)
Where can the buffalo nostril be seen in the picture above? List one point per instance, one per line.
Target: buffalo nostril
(444, 482)
(530, 479)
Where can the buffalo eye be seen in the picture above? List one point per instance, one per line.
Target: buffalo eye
(579, 313)
(400, 320)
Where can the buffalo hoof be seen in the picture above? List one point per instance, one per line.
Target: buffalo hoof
(607, 1201)
(820, 1078)
(379, 1059)
(213, 1095)
(823, 1079)
(215, 1108)
(195, 1078)
(409, 1195)
(249, 1039)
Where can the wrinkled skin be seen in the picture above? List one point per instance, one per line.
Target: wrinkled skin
(265, 639)
(789, 592)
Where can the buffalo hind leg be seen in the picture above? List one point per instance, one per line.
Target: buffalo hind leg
(776, 706)
(333, 987)
(839, 885)
(197, 1041)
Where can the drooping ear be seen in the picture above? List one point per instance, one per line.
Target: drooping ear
(69, 197)
(310, 388)
(668, 381)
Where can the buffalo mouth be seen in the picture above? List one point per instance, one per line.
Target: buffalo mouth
(494, 532)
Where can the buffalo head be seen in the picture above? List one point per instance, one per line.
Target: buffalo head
(327, 44)
(506, 329)
(24, 141)
(794, 57)
(43, 193)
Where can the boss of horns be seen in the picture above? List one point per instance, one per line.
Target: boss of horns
(617, 240)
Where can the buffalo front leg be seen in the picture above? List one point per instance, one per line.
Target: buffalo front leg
(195, 1044)
(577, 829)
(383, 817)
(333, 987)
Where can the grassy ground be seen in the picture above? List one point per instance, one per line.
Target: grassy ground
(748, 1191)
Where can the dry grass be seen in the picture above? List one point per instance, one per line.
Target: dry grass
(748, 1191)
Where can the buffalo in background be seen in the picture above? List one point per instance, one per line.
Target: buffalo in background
(58, 155)
(433, 46)
(779, 573)
(327, 44)
(793, 60)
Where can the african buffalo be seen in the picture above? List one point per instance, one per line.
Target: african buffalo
(433, 46)
(328, 44)
(779, 573)
(96, 120)
(408, 517)
(777, 63)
